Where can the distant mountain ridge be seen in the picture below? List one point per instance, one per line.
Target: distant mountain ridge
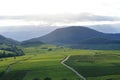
(4, 40)
(23, 33)
(73, 35)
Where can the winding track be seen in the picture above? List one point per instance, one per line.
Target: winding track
(10, 65)
(72, 69)
(8, 68)
(62, 62)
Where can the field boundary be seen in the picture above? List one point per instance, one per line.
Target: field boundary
(72, 69)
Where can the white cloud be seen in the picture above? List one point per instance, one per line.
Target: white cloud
(19, 23)
(36, 7)
(57, 20)
(58, 12)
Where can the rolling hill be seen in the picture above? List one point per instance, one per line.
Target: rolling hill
(31, 43)
(4, 40)
(9, 47)
(75, 35)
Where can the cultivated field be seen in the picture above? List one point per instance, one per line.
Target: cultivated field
(104, 65)
(44, 61)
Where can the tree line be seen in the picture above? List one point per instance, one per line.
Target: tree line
(11, 52)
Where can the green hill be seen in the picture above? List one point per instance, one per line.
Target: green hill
(4, 40)
(79, 37)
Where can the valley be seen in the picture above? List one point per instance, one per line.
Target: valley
(71, 53)
(59, 39)
(44, 63)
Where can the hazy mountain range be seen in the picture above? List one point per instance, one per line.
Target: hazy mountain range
(4, 40)
(78, 37)
(74, 36)
(26, 27)
(22, 33)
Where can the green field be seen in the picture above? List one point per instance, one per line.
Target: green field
(100, 66)
(44, 61)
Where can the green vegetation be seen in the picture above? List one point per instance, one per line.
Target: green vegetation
(10, 51)
(43, 63)
(99, 64)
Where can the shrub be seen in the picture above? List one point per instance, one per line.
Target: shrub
(50, 49)
(2, 73)
(36, 79)
(47, 78)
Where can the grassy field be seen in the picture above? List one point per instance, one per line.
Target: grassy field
(100, 66)
(44, 61)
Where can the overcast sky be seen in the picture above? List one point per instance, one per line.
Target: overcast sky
(25, 19)
(59, 12)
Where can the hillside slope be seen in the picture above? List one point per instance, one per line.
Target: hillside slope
(75, 35)
(4, 40)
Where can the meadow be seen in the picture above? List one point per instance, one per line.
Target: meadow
(100, 66)
(43, 61)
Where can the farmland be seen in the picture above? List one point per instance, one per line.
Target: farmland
(44, 61)
(94, 66)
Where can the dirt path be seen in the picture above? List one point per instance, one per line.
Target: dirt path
(10, 65)
(8, 68)
(72, 69)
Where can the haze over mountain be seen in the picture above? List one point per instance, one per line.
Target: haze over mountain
(26, 27)
(4, 40)
(71, 13)
(75, 35)
(22, 33)
(107, 28)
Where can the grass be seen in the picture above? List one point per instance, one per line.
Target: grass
(16, 75)
(96, 65)
(108, 77)
(44, 63)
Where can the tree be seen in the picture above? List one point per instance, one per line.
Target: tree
(4, 54)
(50, 49)
(14, 57)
